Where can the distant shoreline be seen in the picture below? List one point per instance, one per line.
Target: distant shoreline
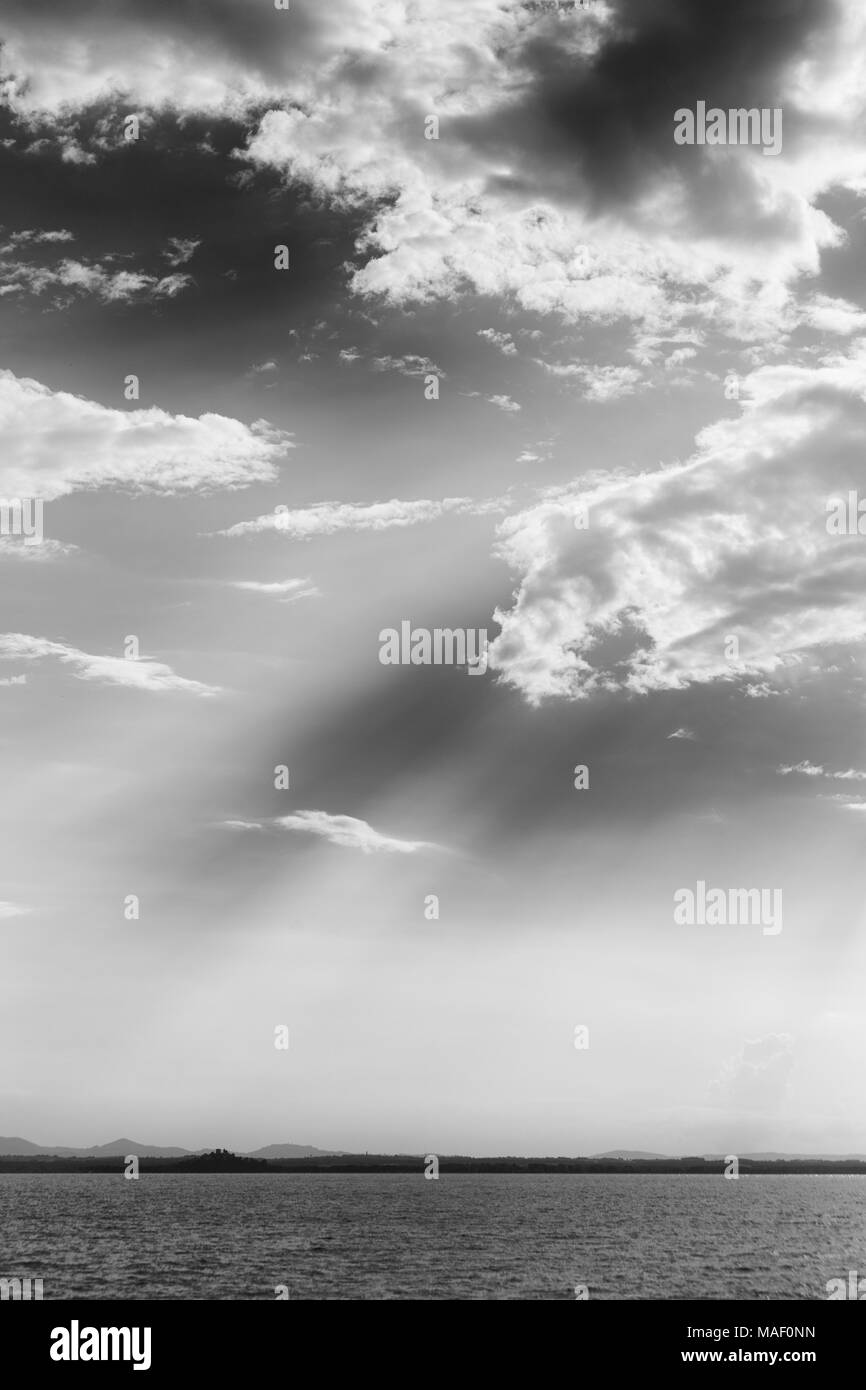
(383, 1163)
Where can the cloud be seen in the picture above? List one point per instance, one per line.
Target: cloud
(808, 769)
(673, 562)
(350, 833)
(16, 548)
(327, 518)
(503, 341)
(683, 733)
(539, 453)
(29, 237)
(346, 831)
(14, 680)
(77, 277)
(760, 691)
(848, 803)
(601, 383)
(555, 184)
(287, 590)
(222, 59)
(504, 403)
(108, 670)
(681, 355)
(55, 443)
(409, 365)
(180, 250)
(13, 910)
(758, 1077)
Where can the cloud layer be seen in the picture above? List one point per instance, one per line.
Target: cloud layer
(732, 544)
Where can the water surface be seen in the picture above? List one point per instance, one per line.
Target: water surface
(399, 1236)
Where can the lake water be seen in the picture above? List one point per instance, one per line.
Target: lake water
(399, 1236)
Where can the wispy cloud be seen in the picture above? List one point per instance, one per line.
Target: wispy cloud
(410, 365)
(600, 383)
(327, 518)
(807, 769)
(15, 548)
(89, 278)
(180, 250)
(286, 590)
(13, 910)
(29, 237)
(346, 831)
(109, 670)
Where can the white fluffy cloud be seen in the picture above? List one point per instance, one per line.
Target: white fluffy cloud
(460, 212)
(223, 59)
(490, 205)
(731, 543)
(55, 443)
(107, 670)
(503, 341)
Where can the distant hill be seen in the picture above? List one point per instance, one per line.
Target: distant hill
(274, 1151)
(16, 1147)
(20, 1146)
(119, 1148)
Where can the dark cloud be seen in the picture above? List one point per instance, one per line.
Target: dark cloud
(179, 180)
(218, 29)
(597, 128)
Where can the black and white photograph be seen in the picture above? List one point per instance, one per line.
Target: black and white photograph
(432, 635)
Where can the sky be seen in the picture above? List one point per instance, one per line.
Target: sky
(551, 377)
